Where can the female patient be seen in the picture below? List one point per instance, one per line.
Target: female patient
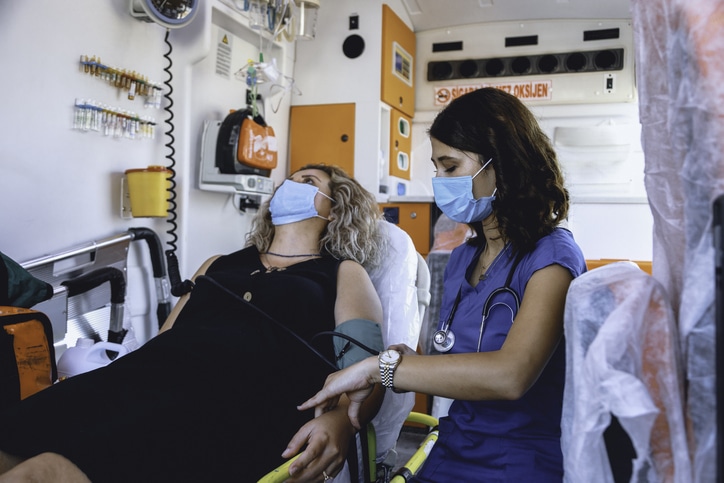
(227, 368)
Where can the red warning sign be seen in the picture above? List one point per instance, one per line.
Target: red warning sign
(539, 90)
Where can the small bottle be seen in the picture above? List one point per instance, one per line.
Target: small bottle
(86, 356)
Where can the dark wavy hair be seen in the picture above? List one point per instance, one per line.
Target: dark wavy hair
(531, 199)
(353, 233)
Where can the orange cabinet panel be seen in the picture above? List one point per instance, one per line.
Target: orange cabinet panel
(398, 53)
(414, 219)
(322, 133)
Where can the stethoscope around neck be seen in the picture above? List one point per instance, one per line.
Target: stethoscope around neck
(444, 339)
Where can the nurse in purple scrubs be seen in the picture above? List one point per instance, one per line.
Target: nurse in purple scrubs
(500, 334)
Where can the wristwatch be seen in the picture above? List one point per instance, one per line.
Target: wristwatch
(389, 360)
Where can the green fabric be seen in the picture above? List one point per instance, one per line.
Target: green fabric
(362, 330)
(19, 288)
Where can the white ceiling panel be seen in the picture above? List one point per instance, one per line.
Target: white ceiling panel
(434, 14)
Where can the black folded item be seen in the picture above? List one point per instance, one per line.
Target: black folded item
(18, 287)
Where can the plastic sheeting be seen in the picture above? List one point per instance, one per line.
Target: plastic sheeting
(395, 281)
(623, 359)
(449, 234)
(680, 78)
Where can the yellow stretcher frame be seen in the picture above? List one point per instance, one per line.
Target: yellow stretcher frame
(417, 459)
(413, 465)
(278, 474)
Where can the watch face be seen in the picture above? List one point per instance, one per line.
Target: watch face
(389, 356)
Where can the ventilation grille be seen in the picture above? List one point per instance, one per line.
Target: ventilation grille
(543, 62)
(562, 63)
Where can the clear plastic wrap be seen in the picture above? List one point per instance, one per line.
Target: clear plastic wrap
(623, 358)
(680, 81)
(449, 234)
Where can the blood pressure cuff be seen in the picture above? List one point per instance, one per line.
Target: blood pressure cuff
(363, 331)
(18, 288)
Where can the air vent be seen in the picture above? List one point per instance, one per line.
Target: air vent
(520, 41)
(447, 46)
(604, 34)
(561, 63)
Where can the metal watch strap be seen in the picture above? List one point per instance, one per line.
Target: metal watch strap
(387, 371)
(387, 375)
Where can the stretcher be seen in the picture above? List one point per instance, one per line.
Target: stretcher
(79, 307)
(82, 309)
(83, 297)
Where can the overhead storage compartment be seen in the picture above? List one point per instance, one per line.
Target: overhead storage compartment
(542, 62)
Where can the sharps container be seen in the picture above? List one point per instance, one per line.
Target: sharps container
(148, 190)
(86, 356)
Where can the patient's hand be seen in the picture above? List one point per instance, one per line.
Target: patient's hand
(327, 439)
(403, 349)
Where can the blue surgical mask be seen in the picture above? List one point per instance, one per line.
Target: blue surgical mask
(454, 196)
(294, 202)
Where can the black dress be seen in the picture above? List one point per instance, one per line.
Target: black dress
(214, 399)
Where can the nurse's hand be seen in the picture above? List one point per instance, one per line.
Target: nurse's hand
(357, 381)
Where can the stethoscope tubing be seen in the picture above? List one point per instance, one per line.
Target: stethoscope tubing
(486, 313)
(443, 339)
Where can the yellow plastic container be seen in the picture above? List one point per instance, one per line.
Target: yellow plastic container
(148, 190)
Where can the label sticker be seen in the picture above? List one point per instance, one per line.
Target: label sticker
(538, 90)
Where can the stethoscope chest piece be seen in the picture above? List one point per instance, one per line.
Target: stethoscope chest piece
(443, 340)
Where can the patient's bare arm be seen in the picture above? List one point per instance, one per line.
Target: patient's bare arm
(44, 468)
(8, 462)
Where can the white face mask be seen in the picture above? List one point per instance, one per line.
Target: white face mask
(294, 202)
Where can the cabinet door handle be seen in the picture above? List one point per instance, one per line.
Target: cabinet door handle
(413, 215)
(345, 138)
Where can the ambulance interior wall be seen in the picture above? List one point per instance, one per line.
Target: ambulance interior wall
(61, 187)
(596, 135)
(610, 215)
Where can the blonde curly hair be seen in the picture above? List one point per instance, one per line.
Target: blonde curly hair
(353, 232)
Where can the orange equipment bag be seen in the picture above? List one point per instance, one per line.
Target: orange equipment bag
(27, 355)
(246, 144)
(257, 145)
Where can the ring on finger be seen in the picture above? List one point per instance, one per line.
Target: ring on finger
(326, 476)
